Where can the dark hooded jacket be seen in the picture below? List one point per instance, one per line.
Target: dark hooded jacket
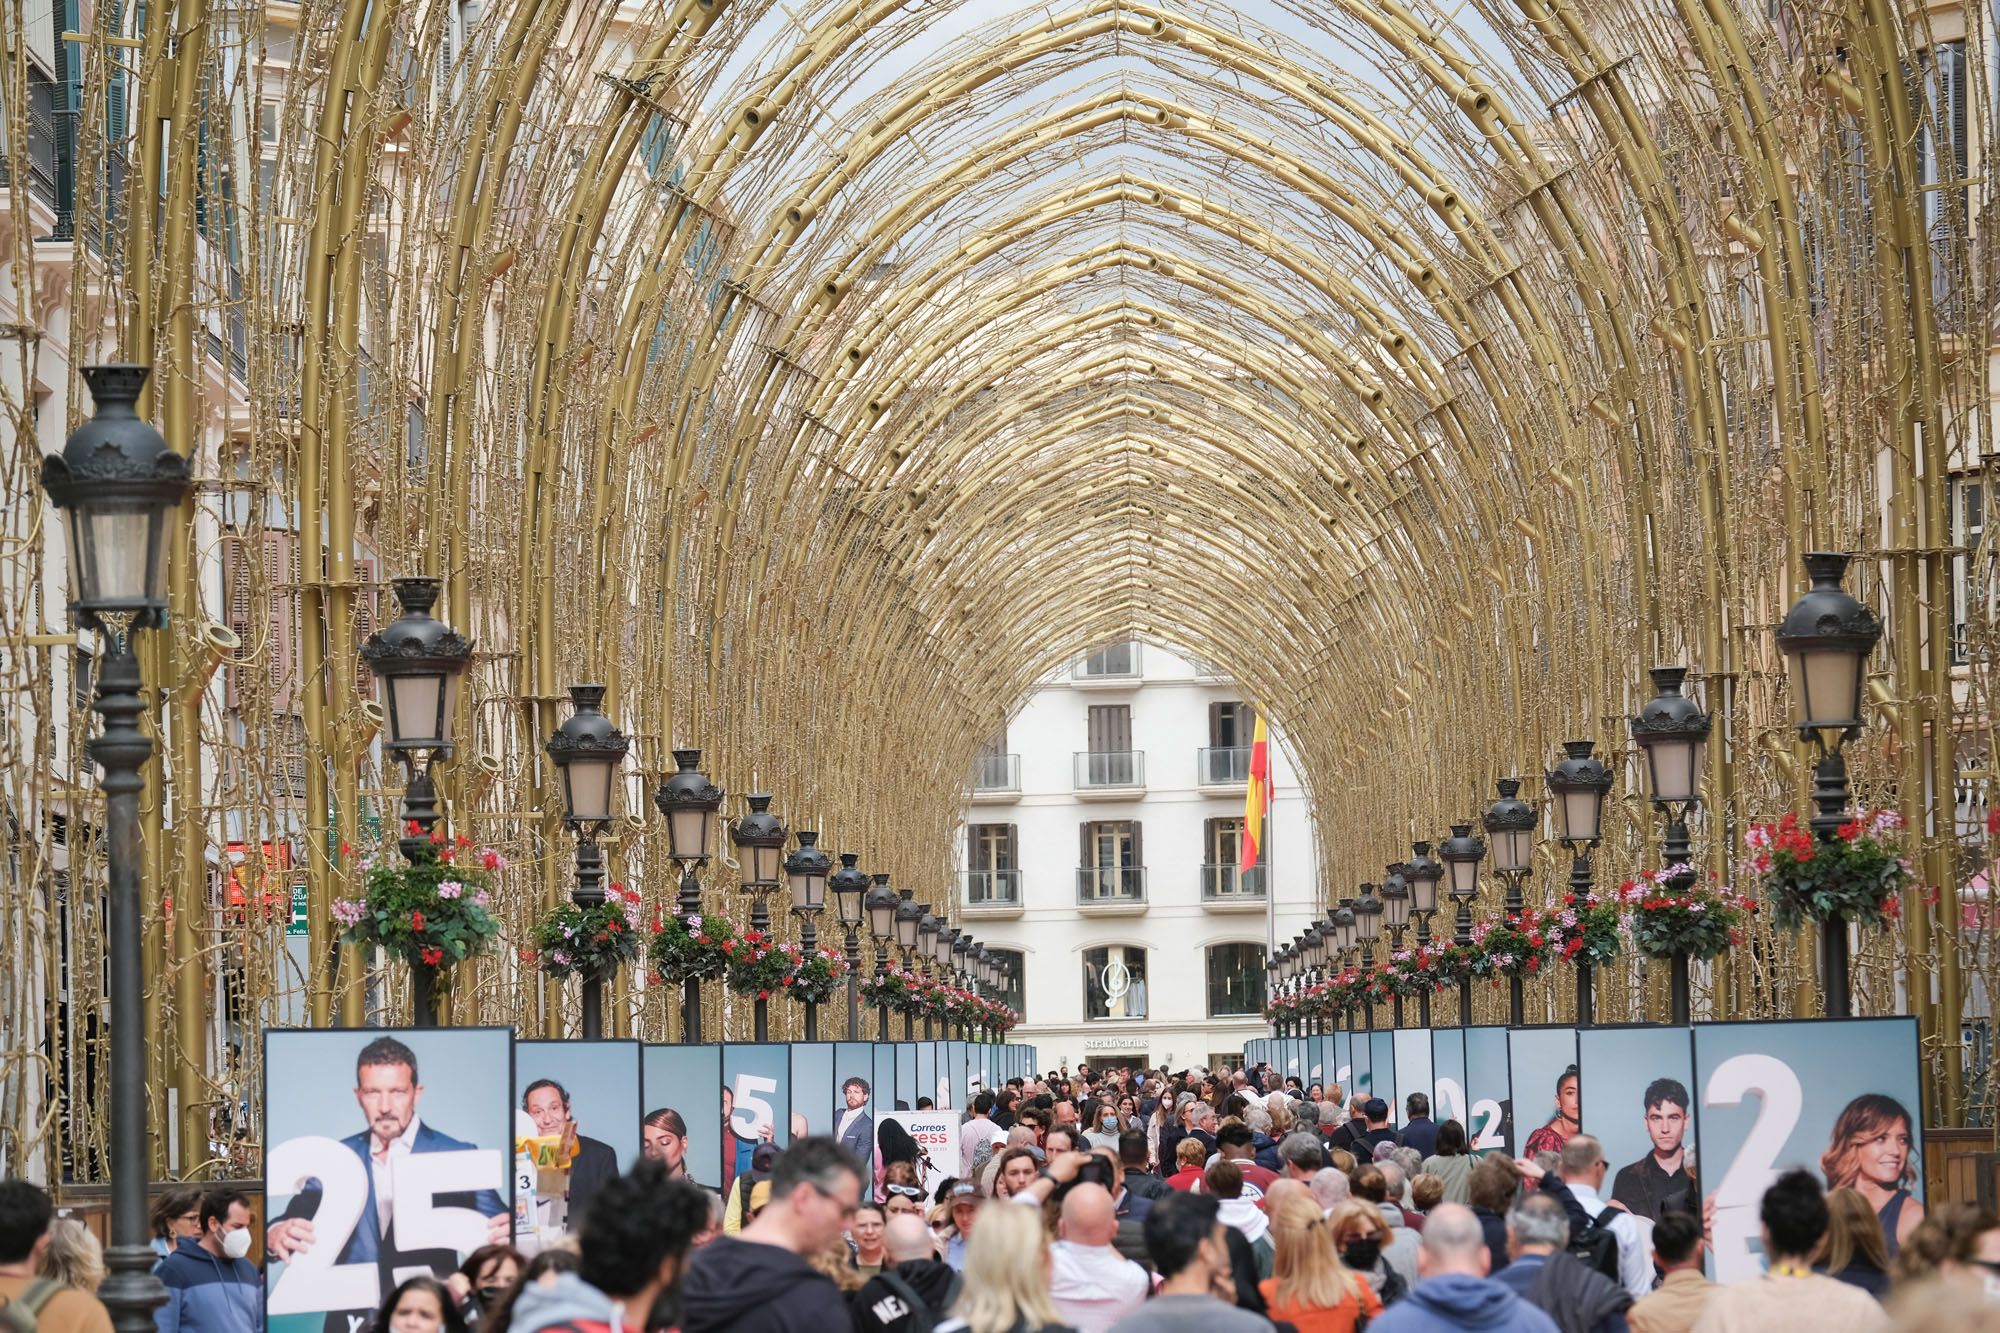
(740, 1286)
(879, 1308)
(1455, 1303)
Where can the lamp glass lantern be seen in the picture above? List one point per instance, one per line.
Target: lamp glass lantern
(1826, 638)
(850, 889)
(927, 933)
(417, 660)
(1462, 852)
(1672, 731)
(1510, 823)
(690, 802)
(881, 905)
(760, 843)
(587, 751)
(1368, 914)
(1345, 925)
(1422, 873)
(909, 913)
(1579, 783)
(1313, 946)
(1395, 895)
(807, 872)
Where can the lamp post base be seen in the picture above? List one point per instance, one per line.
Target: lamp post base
(423, 995)
(1833, 968)
(812, 1022)
(1465, 1004)
(1680, 1001)
(1517, 1003)
(593, 1008)
(1583, 996)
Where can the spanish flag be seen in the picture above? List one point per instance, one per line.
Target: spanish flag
(1257, 800)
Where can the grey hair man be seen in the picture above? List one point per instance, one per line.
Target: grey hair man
(1302, 1155)
(1330, 1189)
(1582, 1168)
(1544, 1273)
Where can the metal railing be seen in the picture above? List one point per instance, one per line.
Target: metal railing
(1222, 765)
(1110, 768)
(1102, 885)
(996, 772)
(1228, 883)
(992, 888)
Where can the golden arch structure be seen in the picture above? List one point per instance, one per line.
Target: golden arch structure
(819, 376)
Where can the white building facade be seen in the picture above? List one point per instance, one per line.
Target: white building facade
(1099, 860)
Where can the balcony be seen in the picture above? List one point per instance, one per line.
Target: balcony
(1225, 888)
(1110, 890)
(1114, 666)
(1109, 774)
(996, 778)
(1222, 766)
(992, 893)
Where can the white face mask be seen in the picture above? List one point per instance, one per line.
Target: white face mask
(236, 1244)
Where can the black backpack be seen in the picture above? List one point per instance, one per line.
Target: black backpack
(1596, 1246)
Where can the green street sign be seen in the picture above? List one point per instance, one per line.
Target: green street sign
(298, 924)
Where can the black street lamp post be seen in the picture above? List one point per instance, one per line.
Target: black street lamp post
(928, 929)
(1368, 926)
(417, 660)
(850, 892)
(1461, 853)
(689, 801)
(1579, 785)
(807, 872)
(1673, 732)
(1395, 895)
(1422, 874)
(759, 838)
(1826, 638)
(881, 904)
(119, 488)
(909, 914)
(586, 750)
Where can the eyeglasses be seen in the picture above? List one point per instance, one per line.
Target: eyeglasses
(905, 1191)
(847, 1210)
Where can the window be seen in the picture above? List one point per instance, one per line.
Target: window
(1222, 859)
(1114, 982)
(1110, 761)
(1971, 571)
(1110, 861)
(993, 769)
(1119, 659)
(992, 864)
(1235, 980)
(1943, 168)
(1011, 990)
(1226, 760)
(1229, 724)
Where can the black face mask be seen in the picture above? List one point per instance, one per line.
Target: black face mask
(1362, 1254)
(488, 1297)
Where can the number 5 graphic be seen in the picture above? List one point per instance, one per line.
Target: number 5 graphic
(752, 1112)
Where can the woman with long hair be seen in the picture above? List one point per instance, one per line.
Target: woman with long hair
(1853, 1250)
(74, 1258)
(1873, 1152)
(1104, 1128)
(1309, 1288)
(1452, 1163)
(420, 1305)
(1567, 1120)
(1006, 1286)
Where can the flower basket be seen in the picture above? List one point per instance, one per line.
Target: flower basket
(1513, 947)
(433, 911)
(815, 976)
(758, 965)
(588, 942)
(1410, 973)
(694, 947)
(1587, 930)
(893, 988)
(1855, 876)
(1700, 921)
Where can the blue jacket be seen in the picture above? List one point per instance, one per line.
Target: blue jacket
(1455, 1303)
(209, 1295)
(364, 1246)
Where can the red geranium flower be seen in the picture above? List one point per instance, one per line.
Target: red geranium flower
(416, 920)
(413, 828)
(432, 956)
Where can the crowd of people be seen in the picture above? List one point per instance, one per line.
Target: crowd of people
(1109, 1200)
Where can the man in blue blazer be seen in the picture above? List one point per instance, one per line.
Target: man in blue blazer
(386, 1087)
(856, 1128)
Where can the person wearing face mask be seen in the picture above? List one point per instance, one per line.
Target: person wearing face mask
(632, 1254)
(1361, 1236)
(485, 1276)
(212, 1287)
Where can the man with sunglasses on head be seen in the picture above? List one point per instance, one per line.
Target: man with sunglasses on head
(759, 1281)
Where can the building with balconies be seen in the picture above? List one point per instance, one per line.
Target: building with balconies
(1100, 861)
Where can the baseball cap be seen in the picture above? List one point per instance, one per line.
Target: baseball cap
(1377, 1109)
(965, 1191)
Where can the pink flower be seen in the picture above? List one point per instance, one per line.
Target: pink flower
(349, 911)
(1758, 836)
(450, 888)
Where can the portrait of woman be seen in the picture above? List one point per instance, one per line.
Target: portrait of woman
(1873, 1152)
(1566, 1121)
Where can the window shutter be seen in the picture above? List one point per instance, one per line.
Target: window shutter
(972, 848)
(1013, 847)
(1215, 725)
(280, 613)
(236, 613)
(1138, 848)
(367, 600)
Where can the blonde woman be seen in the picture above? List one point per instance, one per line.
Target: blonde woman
(1309, 1287)
(1006, 1288)
(74, 1257)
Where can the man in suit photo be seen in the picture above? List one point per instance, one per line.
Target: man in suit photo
(856, 1128)
(387, 1090)
(594, 1162)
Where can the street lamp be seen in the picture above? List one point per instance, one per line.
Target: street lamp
(1826, 638)
(1423, 874)
(1367, 928)
(927, 938)
(881, 905)
(587, 750)
(1579, 785)
(1462, 852)
(1395, 895)
(806, 871)
(850, 895)
(759, 838)
(689, 801)
(1672, 732)
(909, 919)
(417, 660)
(120, 488)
